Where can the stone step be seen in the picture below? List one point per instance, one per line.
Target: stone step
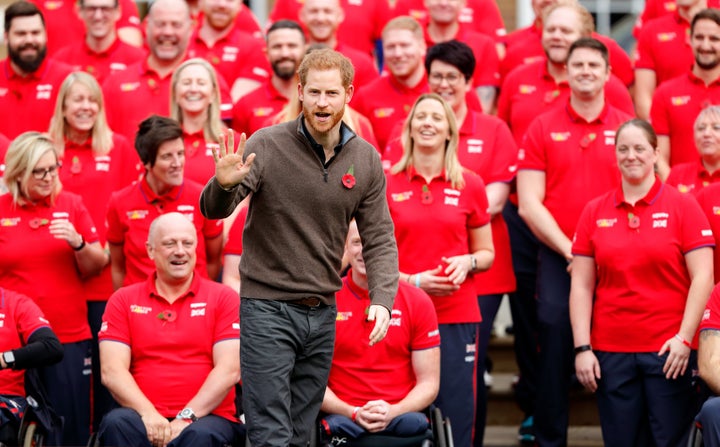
(502, 409)
(578, 436)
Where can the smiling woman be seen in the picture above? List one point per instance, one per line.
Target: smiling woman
(49, 244)
(640, 282)
(195, 104)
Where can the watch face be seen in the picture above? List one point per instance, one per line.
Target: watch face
(9, 357)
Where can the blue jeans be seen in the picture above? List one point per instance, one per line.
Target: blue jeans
(285, 356)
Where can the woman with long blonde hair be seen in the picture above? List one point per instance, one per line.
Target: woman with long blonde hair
(443, 233)
(195, 104)
(95, 163)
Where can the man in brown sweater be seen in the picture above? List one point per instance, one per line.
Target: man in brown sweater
(308, 178)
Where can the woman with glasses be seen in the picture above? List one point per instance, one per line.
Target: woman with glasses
(49, 243)
(444, 236)
(641, 276)
(96, 162)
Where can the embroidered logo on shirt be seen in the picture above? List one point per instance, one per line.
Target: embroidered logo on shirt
(474, 145)
(526, 89)
(137, 214)
(680, 100)
(396, 318)
(343, 316)
(117, 66)
(559, 136)
(142, 310)
(706, 233)
(453, 201)
(43, 91)
(401, 196)
(605, 223)
(52, 5)
(383, 112)
(262, 111)
(609, 137)
(129, 86)
(706, 314)
(9, 221)
(716, 210)
(666, 37)
(3, 91)
(685, 188)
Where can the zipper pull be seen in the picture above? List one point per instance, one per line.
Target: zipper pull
(325, 174)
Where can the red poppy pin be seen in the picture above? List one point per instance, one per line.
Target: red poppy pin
(76, 166)
(633, 221)
(167, 315)
(37, 223)
(348, 180)
(426, 198)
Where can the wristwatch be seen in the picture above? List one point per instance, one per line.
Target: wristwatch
(9, 359)
(187, 414)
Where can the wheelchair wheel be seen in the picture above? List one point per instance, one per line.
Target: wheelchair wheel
(439, 428)
(31, 435)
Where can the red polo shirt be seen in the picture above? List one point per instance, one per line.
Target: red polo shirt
(531, 88)
(642, 278)
(252, 111)
(691, 177)
(64, 27)
(709, 199)
(236, 55)
(482, 16)
(483, 47)
(4, 144)
(20, 317)
(116, 58)
(658, 8)
(487, 148)
(386, 102)
(361, 372)
(365, 69)
(529, 49)
(122, 91)
(578, 158)
(173, 353)
(27, 103)
(94, 178)
(363, 24)
(428, 229)
(199, 162)
(38, 265)
(660, 38)
(131, 211)
(245, 21)
(675, 106)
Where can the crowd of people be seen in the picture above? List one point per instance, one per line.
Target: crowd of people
(191, 202)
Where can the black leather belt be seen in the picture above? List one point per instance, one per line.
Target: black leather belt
(307, 302)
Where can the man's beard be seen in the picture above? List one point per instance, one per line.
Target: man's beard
(707, 65)
(27, 65)
(282, 72)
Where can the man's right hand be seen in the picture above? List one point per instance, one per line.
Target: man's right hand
(230, 169)
(157, 428)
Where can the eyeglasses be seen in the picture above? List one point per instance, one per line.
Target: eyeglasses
(104, 10)
(450, 78)
(40, 174)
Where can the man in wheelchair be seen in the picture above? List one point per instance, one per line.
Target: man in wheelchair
(401, 374)
(169, 350)
(26, 341)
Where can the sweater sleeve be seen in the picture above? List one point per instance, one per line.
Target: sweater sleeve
(378, 235)
(43, 349)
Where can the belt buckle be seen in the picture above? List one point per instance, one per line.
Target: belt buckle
(312, 302)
